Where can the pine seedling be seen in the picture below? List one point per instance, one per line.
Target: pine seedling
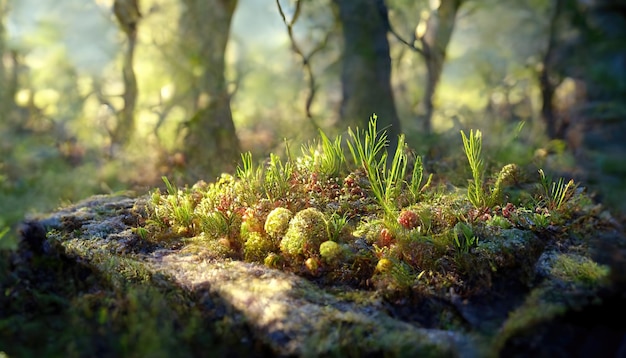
(477, 194)
(473, 147)
(368, 151)
(250, 177)
(333, 158)
(277, 178)
(415, 185)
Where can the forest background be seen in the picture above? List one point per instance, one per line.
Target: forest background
(108, 95)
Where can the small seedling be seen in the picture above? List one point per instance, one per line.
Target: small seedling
(556, 193)
(466, 234)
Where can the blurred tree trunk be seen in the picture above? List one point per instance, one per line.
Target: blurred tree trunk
(5, 95)
(366, 66)
(435, 40)
(128, 16)
(211, 143)
(547, 74)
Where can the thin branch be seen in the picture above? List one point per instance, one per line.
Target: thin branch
(405, 42)
(306, 59)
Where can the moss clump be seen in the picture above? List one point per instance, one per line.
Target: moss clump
(273, 260)
(580, 270)
(332, 253)
(277, 222)
(257, 247)
(251, 223)
(307, 230)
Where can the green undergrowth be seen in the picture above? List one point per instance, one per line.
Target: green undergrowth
(349, 210)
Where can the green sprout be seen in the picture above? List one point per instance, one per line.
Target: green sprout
(477, 194)
(556, 193)
(140, 231)
(472, 147)
(214, 223)
(386, 181)
(277, 178)
(250, 177)
(468, 239)
(330, 160)
(336, 224)
(177, 207)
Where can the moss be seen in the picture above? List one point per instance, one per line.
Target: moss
(272, 260)
(277, 222)
(580, 270)
(332, 253)
(257, 247)
(251, 223)
(307, 230)
(532, 313)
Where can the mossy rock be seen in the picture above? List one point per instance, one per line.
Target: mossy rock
(283, 314)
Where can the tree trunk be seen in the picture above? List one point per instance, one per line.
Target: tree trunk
(366, 71)
(128, 16)
(546, 73)
(5, 100)
(435, 41)
(211, 144)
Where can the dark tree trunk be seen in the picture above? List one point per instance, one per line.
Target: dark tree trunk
(211, 144)
(128, 16)
(5, 95)
(439, 29)
(546, 74)
(366, 71)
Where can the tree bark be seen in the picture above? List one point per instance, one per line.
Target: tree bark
(366, 66)
(5, 100)
(546, 83)
(439, 29)
(211, 144)
(128, 16)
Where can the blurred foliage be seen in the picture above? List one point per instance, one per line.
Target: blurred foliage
(64, 59)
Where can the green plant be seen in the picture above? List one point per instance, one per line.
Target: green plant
(477, 194)
(336, 224)
(556, 193)
(464, 237)
(257, 247)
(473, 147)
(214, 224)
(250, 177)
(175, 209)
(368, 149)
(329, 160)
(277, 177)
(541, 221)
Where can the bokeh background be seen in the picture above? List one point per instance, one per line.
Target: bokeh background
(98, 96)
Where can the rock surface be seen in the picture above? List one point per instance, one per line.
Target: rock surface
(292, 316)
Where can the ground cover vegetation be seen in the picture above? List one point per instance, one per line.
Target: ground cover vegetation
(348, 212)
